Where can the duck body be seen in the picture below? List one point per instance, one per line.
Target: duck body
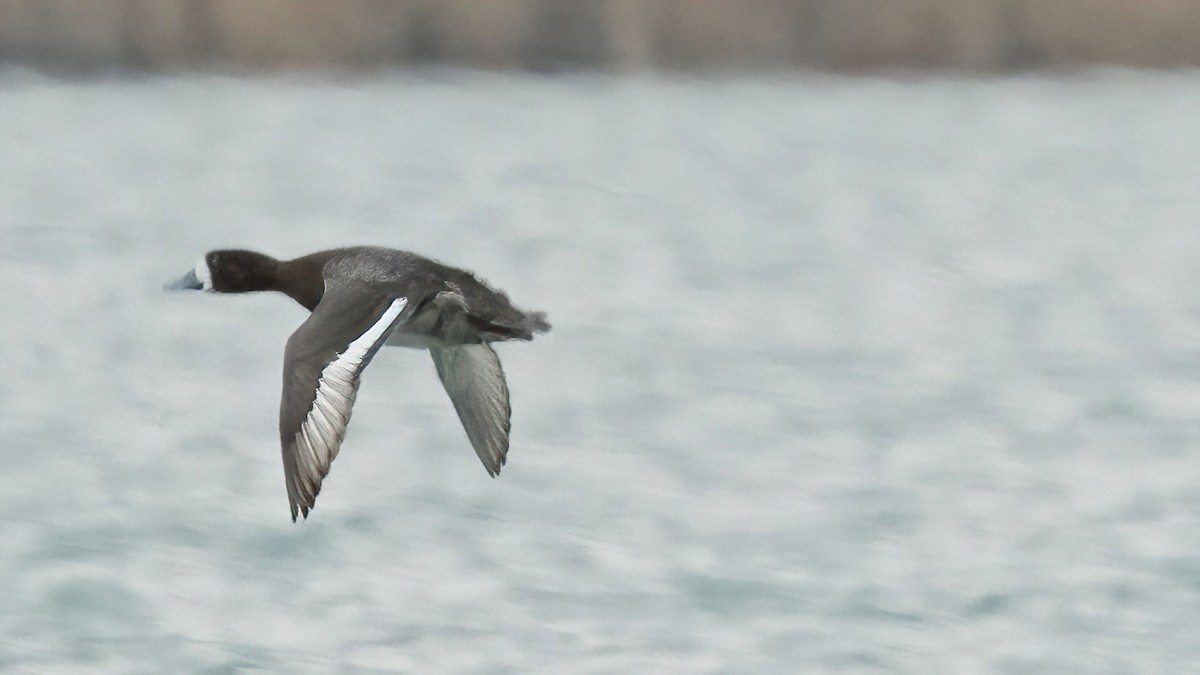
(361, 299)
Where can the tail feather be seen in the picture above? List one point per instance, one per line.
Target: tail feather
(519, 326)
(536, 322)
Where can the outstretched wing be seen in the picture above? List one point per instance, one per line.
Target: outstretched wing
(473, 378)
(321, 368)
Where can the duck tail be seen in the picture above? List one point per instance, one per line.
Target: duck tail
(517, 325)
(536, 322)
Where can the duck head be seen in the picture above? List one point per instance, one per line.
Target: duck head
(229, 271)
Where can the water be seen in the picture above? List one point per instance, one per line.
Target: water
(847, 375)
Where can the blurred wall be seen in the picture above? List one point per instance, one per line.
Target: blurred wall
(603, 34)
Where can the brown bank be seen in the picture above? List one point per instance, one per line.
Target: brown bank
(989, 35)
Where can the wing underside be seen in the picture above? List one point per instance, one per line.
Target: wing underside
(474, 380)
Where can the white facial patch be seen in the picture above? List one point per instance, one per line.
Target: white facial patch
(203, 274)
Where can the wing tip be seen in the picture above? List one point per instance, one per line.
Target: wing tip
(301, 512)
(493, 467)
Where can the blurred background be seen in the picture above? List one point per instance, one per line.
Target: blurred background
(874, 348)
(620, 35)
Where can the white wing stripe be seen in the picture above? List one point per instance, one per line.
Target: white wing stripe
(358, 349)
(320, 436)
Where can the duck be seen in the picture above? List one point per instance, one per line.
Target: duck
(361, 299)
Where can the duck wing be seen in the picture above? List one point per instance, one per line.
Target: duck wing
(473, 378)
(321, 368)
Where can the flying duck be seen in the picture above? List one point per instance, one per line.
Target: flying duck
(362, 298)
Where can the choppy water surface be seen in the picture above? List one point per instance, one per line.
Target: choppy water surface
(847, 375)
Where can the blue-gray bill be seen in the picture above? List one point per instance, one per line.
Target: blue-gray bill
(187, 282)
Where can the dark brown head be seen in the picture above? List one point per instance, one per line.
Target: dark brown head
(230, 271)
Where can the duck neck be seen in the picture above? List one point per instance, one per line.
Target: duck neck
(302, 279)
